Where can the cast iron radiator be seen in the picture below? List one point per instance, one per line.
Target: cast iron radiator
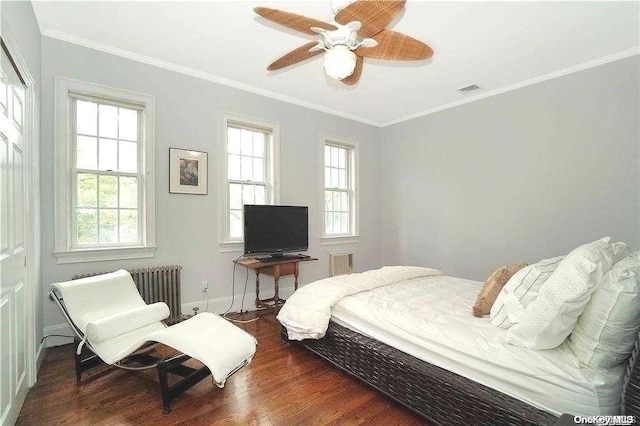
(156, 284)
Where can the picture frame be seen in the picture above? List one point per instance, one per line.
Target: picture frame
(188, 171)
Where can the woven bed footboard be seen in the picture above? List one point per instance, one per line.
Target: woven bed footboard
(438, 395)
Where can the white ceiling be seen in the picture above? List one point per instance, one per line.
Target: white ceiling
(496, 45)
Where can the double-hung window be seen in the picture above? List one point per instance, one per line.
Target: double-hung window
(104, 188)
(249, 168)
(339, 175)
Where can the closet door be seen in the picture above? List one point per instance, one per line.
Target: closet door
(13, 384)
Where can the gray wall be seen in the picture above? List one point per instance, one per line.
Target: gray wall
(19, 20)
(517, 177)
(188, 111)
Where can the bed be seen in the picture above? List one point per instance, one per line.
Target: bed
(416, 341)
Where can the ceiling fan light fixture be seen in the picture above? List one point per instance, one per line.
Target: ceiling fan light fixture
(339, 62)
(358, 31)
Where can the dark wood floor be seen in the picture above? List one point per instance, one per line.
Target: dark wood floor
(285, 384)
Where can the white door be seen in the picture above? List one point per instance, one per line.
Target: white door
(13, 360)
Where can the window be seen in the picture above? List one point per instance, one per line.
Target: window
(339, 177)
(105, 182)
(249, 170)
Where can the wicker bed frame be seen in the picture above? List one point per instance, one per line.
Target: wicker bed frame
(438, 395)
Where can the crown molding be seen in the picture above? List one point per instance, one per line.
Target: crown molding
(295, 101)
(170, 66)
(545, 77)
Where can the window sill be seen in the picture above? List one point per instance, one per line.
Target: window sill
(342, 239)
(232, 247)
(104, 254)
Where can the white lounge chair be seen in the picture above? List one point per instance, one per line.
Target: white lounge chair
(109, 317)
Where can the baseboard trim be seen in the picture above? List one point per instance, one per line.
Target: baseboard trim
(218, 306)
(52, 335)
(40, 353)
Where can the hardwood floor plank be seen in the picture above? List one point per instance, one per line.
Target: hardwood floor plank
(285, 384)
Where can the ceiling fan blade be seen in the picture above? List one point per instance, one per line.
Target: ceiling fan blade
(396, 46)
(374, 15)
(357, 72)
(295, 56)
(293, 21)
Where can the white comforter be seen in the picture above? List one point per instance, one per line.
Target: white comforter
(430, 318)
(306, 313)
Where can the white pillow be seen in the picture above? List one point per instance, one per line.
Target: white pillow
(551, 317)
(523, 286)
(607, 329)
(124, 322)
(620, 251)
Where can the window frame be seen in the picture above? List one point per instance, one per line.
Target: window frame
(272, 171)
(66, 250)
(353, 190)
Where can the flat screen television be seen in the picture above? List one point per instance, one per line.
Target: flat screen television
(274, 230)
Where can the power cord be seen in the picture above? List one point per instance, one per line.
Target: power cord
(233, 290)
(242, 311)
(55, 335)
(244, 293)
(237, 321)
(233, 284)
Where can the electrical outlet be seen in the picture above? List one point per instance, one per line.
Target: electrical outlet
(205, 286)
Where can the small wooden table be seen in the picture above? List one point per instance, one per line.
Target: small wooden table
(276, 268)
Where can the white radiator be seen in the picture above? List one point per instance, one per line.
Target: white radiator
(341, 264)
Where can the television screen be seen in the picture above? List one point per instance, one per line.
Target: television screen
(275, 229)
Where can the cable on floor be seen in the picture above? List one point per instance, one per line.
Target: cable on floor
(56, 335)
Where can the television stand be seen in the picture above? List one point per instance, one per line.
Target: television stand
(275, 267)
(276, 258)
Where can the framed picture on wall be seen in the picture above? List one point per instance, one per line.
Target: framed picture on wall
(187, 171)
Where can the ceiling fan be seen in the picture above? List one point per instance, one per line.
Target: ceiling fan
(358, 31)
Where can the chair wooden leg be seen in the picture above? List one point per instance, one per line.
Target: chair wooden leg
(164, 387)
(191, 376)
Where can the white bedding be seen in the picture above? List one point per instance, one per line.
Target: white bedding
(307, 312)
(430, 318)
